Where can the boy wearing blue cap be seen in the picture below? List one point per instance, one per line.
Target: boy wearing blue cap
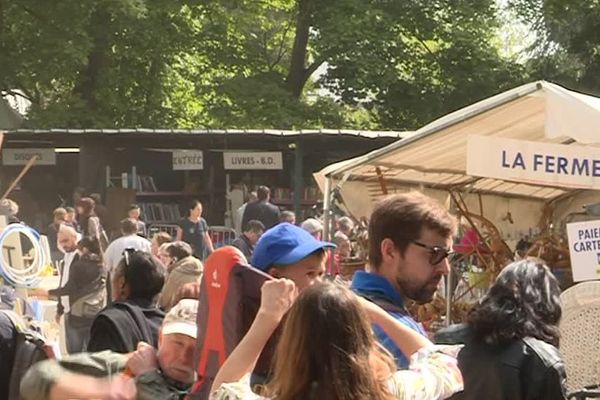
(287, 251)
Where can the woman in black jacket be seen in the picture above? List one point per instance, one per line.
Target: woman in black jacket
(134, 315)
(511, 351)
(86, 288)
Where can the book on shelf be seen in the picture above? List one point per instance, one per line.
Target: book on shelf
(145, 183)
(160, 212)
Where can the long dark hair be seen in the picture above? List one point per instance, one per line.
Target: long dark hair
(327, 350)
(523, 302)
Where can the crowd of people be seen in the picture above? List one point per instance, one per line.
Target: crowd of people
(130, 309)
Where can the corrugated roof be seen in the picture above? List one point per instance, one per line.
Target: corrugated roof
(436, 155)
(273, 132)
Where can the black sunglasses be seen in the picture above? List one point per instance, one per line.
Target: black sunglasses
(437, 254)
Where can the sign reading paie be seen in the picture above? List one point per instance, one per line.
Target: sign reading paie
(22, 156)
(584, 247)
(187, 160)
(534, 162)
(252, 160)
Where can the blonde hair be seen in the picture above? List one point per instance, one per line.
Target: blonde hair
(327, 350)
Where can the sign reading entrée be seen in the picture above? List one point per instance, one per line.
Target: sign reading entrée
(22, 156)
(584, 247)
(187, 159)
(534, 162)
(252, 160)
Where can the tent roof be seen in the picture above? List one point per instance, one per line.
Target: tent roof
(271, 132)
(436, 155)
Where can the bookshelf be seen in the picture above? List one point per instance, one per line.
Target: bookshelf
(284, 197)
(157, 207)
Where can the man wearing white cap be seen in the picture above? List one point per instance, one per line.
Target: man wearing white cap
(144, 374)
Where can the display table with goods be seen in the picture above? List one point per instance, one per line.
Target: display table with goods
(25, 267)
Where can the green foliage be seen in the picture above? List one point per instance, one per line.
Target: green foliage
(251, 63)
(567, 49)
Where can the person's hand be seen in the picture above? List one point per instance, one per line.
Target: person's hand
(277, 296)
(121, 387)
(142, 360)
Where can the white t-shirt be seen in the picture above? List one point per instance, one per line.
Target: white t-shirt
(114, 251)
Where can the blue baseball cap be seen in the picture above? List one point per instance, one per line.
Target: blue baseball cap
(285, 244)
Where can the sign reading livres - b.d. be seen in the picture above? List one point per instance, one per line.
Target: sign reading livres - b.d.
(569, 166)
(253, 160)
(584, 248)
(187, 160)
(22, 156)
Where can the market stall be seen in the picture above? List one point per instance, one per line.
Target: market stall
(515, 167)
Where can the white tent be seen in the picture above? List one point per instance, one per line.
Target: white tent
(434, 158)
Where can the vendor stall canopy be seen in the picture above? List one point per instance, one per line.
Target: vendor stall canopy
(435, 156)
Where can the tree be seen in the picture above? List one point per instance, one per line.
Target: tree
(568, 36)
(404, 62)
(250, 63)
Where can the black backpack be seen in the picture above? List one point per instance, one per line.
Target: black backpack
(30, 348)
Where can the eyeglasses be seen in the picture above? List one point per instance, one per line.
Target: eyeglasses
(437, 254)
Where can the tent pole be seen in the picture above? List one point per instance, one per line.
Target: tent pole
(449, 297)
(327, 220)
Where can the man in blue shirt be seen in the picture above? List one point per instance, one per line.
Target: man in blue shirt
(410, 239)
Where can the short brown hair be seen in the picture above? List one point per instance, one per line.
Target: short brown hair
(162, 237)
(401, 218)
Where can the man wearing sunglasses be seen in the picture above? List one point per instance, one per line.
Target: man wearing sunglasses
(410, 240)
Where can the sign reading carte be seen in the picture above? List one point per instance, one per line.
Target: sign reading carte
(187, 159)
(584, 247)
(534, 162)
(252, 160)
(22, 156)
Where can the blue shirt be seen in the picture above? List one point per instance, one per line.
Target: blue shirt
(376, 287)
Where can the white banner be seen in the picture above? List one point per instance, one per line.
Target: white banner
(22, 156)
(568, 166)
(584, 247)
(253, 160)
(187, 160)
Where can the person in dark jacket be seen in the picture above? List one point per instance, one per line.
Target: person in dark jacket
(133, 316)
(248, 239)
(261, 210)
(512, 337)
(86, 288)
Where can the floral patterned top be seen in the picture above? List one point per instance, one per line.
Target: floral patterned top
(433, 374)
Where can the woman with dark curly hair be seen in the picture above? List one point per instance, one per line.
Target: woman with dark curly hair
(511, 352)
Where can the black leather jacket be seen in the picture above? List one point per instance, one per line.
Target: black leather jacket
(524, 369)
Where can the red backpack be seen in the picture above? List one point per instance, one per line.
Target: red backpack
(229, 300)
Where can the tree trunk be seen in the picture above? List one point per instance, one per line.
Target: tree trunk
(88, 82)
(296, 78)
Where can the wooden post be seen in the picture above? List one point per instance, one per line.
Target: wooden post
(29, 164)
(298, 178)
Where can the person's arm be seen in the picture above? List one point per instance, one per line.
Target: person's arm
(276, 299)
(70, 386)
(407, 340)
(56, 379)
(209, 243)
(179, 234)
